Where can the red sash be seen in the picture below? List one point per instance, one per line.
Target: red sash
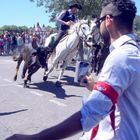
(107, 90)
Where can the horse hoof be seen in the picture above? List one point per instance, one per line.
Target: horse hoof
(26, 84)
(29, 79)
(15, 77)
(45, 78)
(58, 84)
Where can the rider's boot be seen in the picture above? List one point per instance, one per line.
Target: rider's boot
(49, 50)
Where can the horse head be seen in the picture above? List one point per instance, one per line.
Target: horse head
(96, 36)
(82, 29)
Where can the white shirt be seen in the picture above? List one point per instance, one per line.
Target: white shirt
(122, 71)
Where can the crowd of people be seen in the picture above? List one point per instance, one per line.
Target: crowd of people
(14, 41)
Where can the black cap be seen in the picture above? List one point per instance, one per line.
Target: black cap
(78, 6)
(119, 8)
(111, 9)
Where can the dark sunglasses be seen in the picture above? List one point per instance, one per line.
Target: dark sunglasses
(99, 21)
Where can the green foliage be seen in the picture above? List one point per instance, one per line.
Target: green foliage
(1, 32)
(13, 28)
(137, 24)
(89, 7)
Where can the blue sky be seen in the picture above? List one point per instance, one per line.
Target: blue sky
(24, 12)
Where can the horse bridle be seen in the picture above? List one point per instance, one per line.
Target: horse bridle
(77, 31)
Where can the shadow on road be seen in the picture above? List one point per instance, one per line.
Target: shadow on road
(70, 81)
(13, 112)
(50, 86)
(67, 80)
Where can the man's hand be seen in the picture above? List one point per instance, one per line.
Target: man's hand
(88, 82)
(69, 23)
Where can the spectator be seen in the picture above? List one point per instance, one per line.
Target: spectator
(14, 42)
(1, 44)
(20, 42)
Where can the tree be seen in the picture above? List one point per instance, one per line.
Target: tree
(89, 7)
(13, 28)
(137, 24)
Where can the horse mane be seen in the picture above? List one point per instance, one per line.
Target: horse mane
(76, 24)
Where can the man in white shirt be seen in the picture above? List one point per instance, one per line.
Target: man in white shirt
(118, 84)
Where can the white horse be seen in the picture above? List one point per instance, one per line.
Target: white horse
(68, 46)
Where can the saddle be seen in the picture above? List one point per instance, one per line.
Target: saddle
(50, 48)
(64, 37)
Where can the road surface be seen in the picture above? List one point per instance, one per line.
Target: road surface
(30, 110)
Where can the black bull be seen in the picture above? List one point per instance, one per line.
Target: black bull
(32, 62)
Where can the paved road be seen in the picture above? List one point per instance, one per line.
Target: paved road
(41, 106)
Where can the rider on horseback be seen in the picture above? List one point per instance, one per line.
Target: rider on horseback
(64, 20)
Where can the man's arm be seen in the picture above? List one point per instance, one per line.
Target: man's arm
(59, 18)
(68, 127)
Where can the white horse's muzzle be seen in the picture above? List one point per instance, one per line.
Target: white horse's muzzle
(89, 40)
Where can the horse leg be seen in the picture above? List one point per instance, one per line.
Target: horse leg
(65, 63)
(45, 76)
(18, 65)
(58, 82)
(47, 72)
